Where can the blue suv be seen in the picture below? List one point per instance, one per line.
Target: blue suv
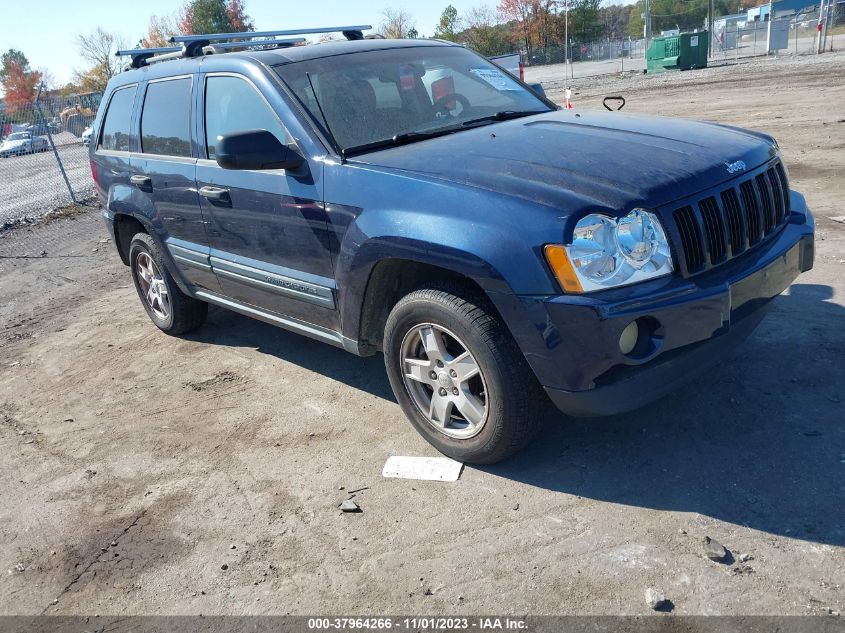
(410, 197)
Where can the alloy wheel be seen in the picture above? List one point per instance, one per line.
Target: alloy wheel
(444, 380)
(153, 286)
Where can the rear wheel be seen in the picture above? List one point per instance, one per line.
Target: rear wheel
(168, 307)
(459, 376)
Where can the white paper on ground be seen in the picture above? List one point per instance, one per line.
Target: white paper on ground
(839, 218)
(425, 468)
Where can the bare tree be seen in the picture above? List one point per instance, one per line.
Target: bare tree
(160, 29)
(480, 16)
(48, 79)
(98, 49)
(397, 23)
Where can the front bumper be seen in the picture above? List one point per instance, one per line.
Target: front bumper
(691, 324)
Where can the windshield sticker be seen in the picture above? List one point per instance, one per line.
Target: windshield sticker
(406, 77)
(495, 78)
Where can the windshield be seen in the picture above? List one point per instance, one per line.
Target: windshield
(387, 96)
(17, 136)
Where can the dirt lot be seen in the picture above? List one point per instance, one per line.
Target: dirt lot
(143, 473)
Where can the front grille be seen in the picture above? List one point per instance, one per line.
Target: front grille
(727, 223)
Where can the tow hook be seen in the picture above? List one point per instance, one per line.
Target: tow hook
(621, 101)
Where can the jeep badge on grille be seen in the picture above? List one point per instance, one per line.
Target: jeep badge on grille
(735, 167)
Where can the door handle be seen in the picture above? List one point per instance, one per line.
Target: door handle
(142, 182)
(216, 194)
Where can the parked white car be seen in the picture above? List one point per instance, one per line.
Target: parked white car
(19, 143)
(86, 135)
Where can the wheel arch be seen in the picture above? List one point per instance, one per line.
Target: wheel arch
(126, 226)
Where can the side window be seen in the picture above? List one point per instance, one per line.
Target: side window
(118, 120)
(233, 105)
(166, 118)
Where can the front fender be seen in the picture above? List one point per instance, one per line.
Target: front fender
(494, 240)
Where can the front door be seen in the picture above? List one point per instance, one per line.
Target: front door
(268, 228)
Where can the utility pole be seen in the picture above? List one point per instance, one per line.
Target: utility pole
(819, 28)
(647, 26)
(710, 22)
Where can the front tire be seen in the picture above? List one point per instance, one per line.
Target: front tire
(459, 376)
(168, 307)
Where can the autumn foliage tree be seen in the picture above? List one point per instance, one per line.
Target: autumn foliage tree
(159, 31)
(18, 80)
(533, 22)
(214, 16)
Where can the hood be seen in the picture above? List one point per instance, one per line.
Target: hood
(606, 160)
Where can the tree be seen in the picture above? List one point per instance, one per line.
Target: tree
(10, 58)
(19, 83)
(519, 12)
(532, 22)
(214, 16)
(483, 34)
(584, 24)
(449, 25)
(159, 31)
(397, 24)
(98, 49)
(614, 20)
(677, 14)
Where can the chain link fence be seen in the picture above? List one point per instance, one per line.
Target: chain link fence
(44, 155)
(739, 37)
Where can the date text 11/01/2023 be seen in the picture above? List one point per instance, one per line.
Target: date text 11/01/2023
(417, 623)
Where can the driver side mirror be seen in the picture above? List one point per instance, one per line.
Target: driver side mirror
(255, 149)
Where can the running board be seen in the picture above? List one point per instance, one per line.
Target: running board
(310, 330)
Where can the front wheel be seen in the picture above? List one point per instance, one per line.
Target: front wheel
(459, 376)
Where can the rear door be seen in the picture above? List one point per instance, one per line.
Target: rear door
(112, 151)
(268, 228)
(164, 171)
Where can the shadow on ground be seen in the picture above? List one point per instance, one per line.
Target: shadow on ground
(758, 441)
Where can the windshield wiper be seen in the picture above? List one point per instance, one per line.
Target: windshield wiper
(503, 115)
(411, 137)
(400, 139)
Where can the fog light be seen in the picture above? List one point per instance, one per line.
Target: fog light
(628, 338)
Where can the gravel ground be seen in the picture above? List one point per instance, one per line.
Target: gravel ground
(32, 185)
(143, 473)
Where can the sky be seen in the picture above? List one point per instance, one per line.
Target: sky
(45, 30)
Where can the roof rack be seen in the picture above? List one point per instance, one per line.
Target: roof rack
(213, 43)
(349, 32)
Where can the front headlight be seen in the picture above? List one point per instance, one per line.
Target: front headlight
(608, 252)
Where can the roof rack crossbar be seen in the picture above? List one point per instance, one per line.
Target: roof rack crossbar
(253, 43)
(351, 30)
(145, 51)
(142, 56)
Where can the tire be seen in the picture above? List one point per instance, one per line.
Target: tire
(170, 309)
(504, 385)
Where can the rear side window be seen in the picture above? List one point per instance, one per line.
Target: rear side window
(166, 118)
(118, 120)
(233, 105)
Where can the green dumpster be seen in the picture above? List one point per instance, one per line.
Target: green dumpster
(677, 52)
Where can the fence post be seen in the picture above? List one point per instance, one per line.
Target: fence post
(52, 144)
